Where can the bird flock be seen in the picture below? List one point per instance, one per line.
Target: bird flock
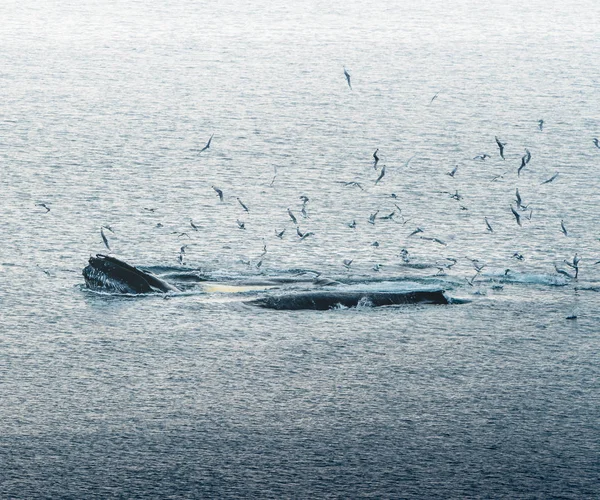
(519, 210)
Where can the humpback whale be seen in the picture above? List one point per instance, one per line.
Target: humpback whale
(322, 300)
(110, 274)
(106, 273)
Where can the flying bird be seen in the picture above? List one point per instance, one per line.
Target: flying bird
(43, 205)
(482, 156)
(501, 147)
(219, 192)
(523, 164)
(243, 206)
(302, 235)
(352, 184)
(280, 233)
(550, 180)
(292, 216)
(381, 174)
(541, 124)
(597, 143)
(207, 144)
(104, 238)
(433, 98)
(241, 225)
(563, 228)
(516, 214)
(375, 158)
(489, 226)
(416, 231)
(347, 263)
(452, 173)
(347, 75)
(194, 227)
(518, 199)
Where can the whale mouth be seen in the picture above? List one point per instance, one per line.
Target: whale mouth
(109, 274)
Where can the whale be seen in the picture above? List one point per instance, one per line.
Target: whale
(322, 300)
(109, 274)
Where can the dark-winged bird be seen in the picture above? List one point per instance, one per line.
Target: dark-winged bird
(347, 75)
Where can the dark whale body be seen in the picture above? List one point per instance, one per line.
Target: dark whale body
(110, 274)
(322, 300)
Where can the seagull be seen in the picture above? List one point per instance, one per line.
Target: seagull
(347, 75)
(516, 214)
(207, 144)
(292, 216)
(219, 192)
(523, 163)
(452, 173)
(597, 143)
(456, 196)
(541, 124)
(489, 227)
(381, 174)
(372, 217)
(416, 231)
(574, 264)
(241, 225)
(352, 184)
(243, 206)
(43, 205)
(104, 238)
(303, 236)
(193, 225)
(500, 147)
(375, 159)
(563, 228)
(482, 156)
(518, 200)
(404, 255)
(436, 240)
(550, 180)
(410, 159)
(562, 271)
(280, 234)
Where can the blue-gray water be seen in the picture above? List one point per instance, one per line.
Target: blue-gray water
(104, 106)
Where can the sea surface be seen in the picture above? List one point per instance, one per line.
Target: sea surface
(104, 108)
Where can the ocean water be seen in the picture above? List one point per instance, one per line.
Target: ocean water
(105, 107)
